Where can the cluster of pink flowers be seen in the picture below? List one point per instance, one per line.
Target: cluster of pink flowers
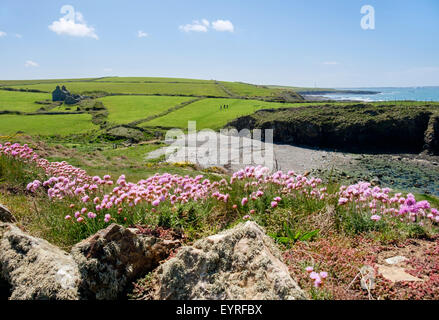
(288, 184)
(106, 197)
(318, 278)
(98, 195)
(379, 203)
(64, 177)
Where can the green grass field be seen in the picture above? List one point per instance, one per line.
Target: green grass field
(207, 113)
(125, 109)
(45, 124)
(249, 90)
(7, 83)
(189, 89)
(21, 101)
(152, 79)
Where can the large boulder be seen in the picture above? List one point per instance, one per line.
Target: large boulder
(114, 257)
(5, 214)
(34, 269)
(242, 263)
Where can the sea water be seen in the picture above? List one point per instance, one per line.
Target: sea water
(389, 94)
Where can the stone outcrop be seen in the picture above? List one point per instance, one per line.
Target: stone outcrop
(241, 263)
(5, 214)
(353, 128)
(35, 269)
(114, 257)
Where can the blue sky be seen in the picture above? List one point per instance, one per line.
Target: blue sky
(301, 42)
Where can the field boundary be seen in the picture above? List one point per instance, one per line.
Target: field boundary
(164, 113)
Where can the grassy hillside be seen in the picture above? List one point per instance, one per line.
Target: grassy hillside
(152, 79)
(21, 101)
(125, 109)
(208, 114)
(45, 124)
(6, 83)
(185, 89)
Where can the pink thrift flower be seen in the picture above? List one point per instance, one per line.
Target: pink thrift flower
(314, 275)
(376, 217)
(317, 283)
(244, 201)
(309, 269)
(273, 204)
(107, 217)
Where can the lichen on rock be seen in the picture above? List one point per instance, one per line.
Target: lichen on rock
(242, 263)
(114, 257)
(35, 269)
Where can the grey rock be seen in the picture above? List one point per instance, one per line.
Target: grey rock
(396, 274)
(114, 257)
(5, 214)
(35, 269)
(396, 260)
(242, 263)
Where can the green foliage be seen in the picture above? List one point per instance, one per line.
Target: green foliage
(292, 237)
(18, 174)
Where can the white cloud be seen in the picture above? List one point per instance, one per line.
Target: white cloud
(19, 36)
(204, 25)
(73, 24)
(196, 26)
(3, 34)
(141, 34)
(205, 22)
(30, 63)
(330, 63)
(223, 25)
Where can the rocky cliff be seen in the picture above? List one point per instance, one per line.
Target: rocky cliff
(356, 127)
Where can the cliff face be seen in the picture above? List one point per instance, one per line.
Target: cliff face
(357, 128)
(432, 135)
